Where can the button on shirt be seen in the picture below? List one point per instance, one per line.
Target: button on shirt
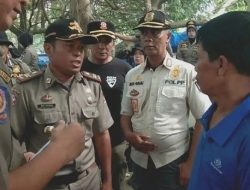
(223, 155)
(43, 101)
(159, 102)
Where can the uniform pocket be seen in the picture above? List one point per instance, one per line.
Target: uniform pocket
(171, 99)
(90, 112)
(47, 117)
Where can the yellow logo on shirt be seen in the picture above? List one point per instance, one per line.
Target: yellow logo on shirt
(175, 72)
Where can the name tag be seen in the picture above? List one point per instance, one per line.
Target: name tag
(46, 106)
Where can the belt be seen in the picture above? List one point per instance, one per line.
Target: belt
(72, 177)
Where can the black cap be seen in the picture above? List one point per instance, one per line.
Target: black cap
(67, 29)
(101, 28)
(191, 24)
(154, 19)
(25, 39)
(137, 47)
(4, 39)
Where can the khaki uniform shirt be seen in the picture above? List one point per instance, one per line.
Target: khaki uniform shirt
(17, 69)
(159, 102)
(187, 52)
(42, 101)
(5, 130)
(30, 57)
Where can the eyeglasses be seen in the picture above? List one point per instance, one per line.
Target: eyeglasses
(104, 39)
(155, 33)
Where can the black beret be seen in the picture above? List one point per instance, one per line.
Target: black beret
(153, 19)
(101, 28)
(67, 29)
(25, 39)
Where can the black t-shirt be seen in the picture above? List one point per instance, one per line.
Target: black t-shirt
(113, 78)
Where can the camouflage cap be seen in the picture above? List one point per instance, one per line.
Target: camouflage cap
(154, 19)
(67, 29)
(101, 28)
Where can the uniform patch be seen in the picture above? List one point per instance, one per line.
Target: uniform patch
(5, 76)
(46, 106)
(3, 104)
(14, 95)
(111, 80)
(175, 72)
(134, 105)
(134, 92)
(136, 83)
(46, 98)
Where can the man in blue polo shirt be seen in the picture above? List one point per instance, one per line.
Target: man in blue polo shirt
(223, 72)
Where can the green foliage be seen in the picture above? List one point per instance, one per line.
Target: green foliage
(125, 14)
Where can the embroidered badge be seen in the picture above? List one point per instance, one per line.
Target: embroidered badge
(46, 98)
(103, 26)
(134, 105)
(5, 76)
(134, 93)
(111, 80)
(46, 106)
(217, 165)
(75, 26)
(3, 105)
(175, 72)
(14, 94)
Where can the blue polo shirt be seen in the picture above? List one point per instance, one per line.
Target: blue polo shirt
(223, 155)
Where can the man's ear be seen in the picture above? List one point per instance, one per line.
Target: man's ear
(223, 65)
(169, 36)
(48, 48)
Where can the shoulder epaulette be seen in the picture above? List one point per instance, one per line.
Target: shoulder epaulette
(91, 76)
(28, 76)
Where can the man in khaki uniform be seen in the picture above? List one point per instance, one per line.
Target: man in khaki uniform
(42, 170)
(15, 67)
(157, 98)
(61, 92)
(187, 50)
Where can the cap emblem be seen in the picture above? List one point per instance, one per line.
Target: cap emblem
(103, 26)
(75, 26)
(149, 17)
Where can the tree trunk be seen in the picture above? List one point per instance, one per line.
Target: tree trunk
(248, 4)
(148, 5)
(81, 11)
